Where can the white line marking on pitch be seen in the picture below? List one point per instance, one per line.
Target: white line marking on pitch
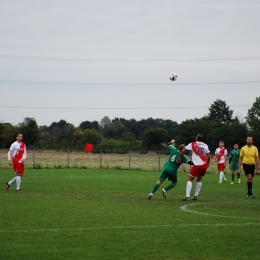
(184, 208)
(126, 227)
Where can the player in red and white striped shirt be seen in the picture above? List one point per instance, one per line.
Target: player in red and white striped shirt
(200, 158)
(16, 158)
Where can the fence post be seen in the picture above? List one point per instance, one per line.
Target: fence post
(129, 160)
(33, 158)
(159, 160)
(68, 158)
(100, 161)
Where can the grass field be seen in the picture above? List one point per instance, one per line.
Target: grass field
(105, 214)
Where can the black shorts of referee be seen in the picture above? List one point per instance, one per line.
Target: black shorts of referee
(249, 169)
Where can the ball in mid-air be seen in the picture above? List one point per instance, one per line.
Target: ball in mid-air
(173, 76)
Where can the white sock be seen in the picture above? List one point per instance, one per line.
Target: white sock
(221, 176)
(188, 188)
(18, 182)
(198, 187)
(12, 181)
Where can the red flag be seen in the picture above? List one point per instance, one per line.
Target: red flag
(88, 148)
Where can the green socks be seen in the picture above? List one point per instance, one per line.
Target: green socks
(155, 188)
(238, 175)
(170, 186)
(232, 177)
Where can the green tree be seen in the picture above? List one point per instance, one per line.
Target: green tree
(188, 129)
(30, 130)
(8, 135)
(219, 113)
(114, 130)
(92, 136)
(154, 137)
(253, 121)
(89, 125)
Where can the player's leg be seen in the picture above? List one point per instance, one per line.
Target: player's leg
(8, 184)
(232, 175)
(18, 181)
(249, 172)
(201, 174)
(173, 179)
(193, 174)
(162, 177)
(238, 174)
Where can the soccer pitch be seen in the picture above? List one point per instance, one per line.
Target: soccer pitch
(105, 214)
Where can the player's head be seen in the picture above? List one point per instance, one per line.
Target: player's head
(236, 146)
(221, 143)
(249, 140)
(199, 137)
(181, 147)
(19, 137)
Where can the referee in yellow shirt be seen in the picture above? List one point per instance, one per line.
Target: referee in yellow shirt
(249, 159)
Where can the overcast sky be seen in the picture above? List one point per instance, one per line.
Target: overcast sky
(83, 60)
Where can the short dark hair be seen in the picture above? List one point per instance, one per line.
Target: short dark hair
(181, 147)
(19, 133)
(221, 141)
(200, 137)
(250, 137)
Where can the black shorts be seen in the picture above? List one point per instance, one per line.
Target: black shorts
(249, 169)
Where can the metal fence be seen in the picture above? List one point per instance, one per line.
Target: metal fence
(136, 160)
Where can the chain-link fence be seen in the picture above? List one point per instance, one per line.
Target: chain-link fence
(136, 160)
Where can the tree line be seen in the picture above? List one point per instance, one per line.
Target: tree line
(125, 134)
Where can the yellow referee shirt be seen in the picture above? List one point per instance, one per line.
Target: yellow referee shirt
(249, 154)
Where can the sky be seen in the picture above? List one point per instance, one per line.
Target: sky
(83, 60)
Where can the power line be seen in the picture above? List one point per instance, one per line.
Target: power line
(111, 108)
(20, 82)
(18, 57)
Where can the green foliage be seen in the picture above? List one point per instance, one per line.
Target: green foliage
(154, 137)
(92, 136)
(219, 113)
(30, 130)
(89, 125)
(253, 120)
(8, 135)
(188, 130)
(114, 130)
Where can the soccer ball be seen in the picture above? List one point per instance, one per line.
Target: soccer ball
(173, 76)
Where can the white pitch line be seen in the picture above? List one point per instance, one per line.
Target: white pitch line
(184, 208)
(127, 227)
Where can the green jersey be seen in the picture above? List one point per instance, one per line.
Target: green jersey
(234, 156)
(174, 154)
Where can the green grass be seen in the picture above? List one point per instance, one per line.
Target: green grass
(105, 214)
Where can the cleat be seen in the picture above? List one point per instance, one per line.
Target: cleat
(7, 186)
(231, 182)
(220, 181)
(150, 196)
(195, 198)
(239, 181)
(250, 196)
(19, 190)
(186, 198)
(164, 193)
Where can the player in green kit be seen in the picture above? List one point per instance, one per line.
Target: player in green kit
(233, 162)
(170, 169)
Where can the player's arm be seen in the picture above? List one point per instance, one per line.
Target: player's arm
(178, 160)
(208, 158)
(172, 142)
(214, 158)
(240, 163)
(230, 157)
(9, 157)
(226, 159)
(257, 163)
(24, 155)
